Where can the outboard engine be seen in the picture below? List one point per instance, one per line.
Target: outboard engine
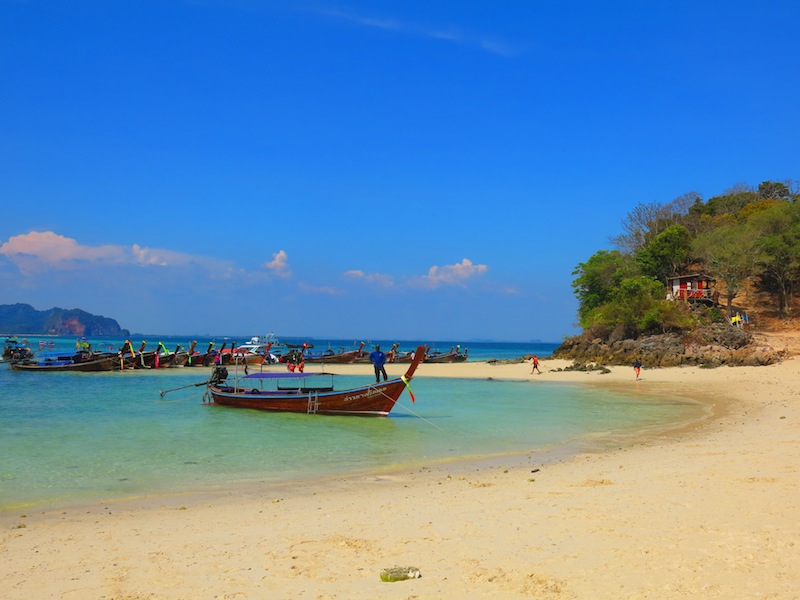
(218, 375)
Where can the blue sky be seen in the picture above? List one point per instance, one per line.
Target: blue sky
(385, 169)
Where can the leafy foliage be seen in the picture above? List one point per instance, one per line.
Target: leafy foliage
(742, 236)
(731, 255)
(779, 257)
(666, 254)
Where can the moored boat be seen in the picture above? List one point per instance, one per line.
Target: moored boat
(331, 357)
(14, 350)
(82, 361)
(304, 394)
(364, 357)
(454, 355)
(254, 353)
(202, 359)
(130, 359)
(181, 356)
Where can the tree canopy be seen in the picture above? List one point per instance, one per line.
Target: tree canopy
(743, 237)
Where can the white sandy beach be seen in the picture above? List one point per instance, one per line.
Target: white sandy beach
(707, 511)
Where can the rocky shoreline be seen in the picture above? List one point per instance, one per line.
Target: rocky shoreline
(715, 346)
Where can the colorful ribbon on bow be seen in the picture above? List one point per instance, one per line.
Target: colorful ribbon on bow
(410, 393)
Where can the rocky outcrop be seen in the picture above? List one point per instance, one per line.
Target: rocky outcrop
(712, 346)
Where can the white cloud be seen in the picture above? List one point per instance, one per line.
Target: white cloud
(455, 274)
(55, 250)
(279, 264)
(46, 250)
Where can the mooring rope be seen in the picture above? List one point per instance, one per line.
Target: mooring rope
(416, 414)
(420, 416)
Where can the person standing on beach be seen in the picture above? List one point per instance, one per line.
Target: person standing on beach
(378, 359)
(535, 363)
(637, 368)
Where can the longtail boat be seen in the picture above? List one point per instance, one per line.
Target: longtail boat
(304, 395)
(84, 361)
(163, 358)
(455, 355)
(200, 359)
(14, 350)
(364, 358)
(130, 359)
(181, 356)
(331, 357)
(253, 353)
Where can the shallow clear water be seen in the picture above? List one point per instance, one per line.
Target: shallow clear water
(71, 437)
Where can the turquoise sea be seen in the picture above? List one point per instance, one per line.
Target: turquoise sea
(68, 438)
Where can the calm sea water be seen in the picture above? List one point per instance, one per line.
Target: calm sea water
(75, 437)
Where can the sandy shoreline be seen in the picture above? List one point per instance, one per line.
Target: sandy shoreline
(707, 511)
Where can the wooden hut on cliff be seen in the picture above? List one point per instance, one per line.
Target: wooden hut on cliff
(694, 288)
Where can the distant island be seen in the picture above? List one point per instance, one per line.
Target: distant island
(24, 319)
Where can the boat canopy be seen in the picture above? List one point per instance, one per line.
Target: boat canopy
(286, 375)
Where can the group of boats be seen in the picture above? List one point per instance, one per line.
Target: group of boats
(258, 351)
(85, 359)
(360, 355)
(290, 390)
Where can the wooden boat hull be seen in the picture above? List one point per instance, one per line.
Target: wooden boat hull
(201, 360)
(368, 401)
(343, 358)
(106, 363)
(340, 358)
(250, 358)
(179, 359)
(441, 358)
(446, 357)
(142, 360)
(375, 400)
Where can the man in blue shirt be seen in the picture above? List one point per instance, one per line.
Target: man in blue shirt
(378, 359)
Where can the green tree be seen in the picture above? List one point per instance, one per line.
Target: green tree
(637, 306)
(669, 251)
(731, 254)
(596, 280)
(779, 243)
(773, 189)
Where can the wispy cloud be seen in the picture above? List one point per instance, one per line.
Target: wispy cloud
(438, 276)
(448, 34)
(321, 290)
(44, 256)
(378, 279)
(39, 251)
